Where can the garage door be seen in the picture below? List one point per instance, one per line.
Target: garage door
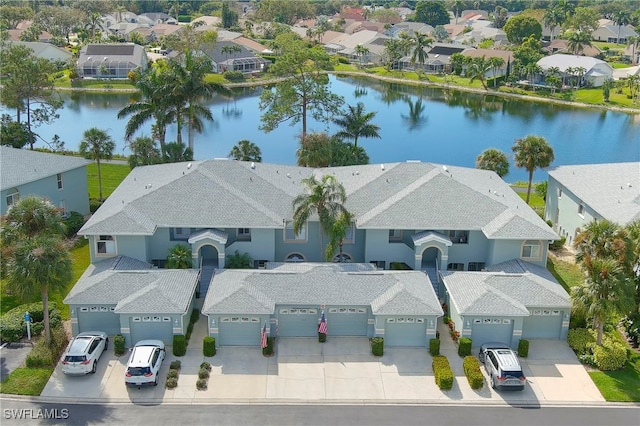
(239, 331)
(298, 322)
(151, 327)
(542, 324)
(98, 318)
(492, 330)
(404, 331)
(347, 321)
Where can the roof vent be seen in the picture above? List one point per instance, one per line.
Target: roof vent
(382, 167)
(629, 184)
(445, 168)
(253, 165)
(288, 175)
(357, 172)
(188, 165)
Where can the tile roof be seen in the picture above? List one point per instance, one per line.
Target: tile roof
(611, 189)
(20, 166)
(258, 291)
(390, 196)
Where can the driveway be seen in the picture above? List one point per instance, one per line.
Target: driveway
(340, 369)
(12, 356)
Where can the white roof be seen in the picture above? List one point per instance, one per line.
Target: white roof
(563, 62)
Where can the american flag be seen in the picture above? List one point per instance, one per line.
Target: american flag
(277, 331)
(263, 341)
(323, 325)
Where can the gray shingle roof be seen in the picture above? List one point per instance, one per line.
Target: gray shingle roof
(605, 188)
(231, 194)
(20, 166)
(258, 291)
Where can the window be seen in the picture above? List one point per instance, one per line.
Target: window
(458, 237)
(106, 244)
(180, 234)
(559, 192)
(531, 250)
(395, 235)
(244, 234)
(295, 257)
(13, 196)
(342, 258)
(290, 236)
(379, 263)
(455, 267)
(581, 209)
(63, 208)
(476, 266)
(350, 236)
(59, 177)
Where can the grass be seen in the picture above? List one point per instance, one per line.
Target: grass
(112, 175)
(622, 385)
(26, 381)
(567, 274)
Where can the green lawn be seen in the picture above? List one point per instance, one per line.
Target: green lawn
(26, 381)
(622, 385)
(567, 274)
(112, 175)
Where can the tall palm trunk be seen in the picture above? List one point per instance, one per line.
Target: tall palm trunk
(99, 177)
(45, 314)
(529, 186)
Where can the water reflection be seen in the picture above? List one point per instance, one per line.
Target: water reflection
(415, 120)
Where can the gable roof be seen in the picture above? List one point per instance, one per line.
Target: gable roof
(20, 166)
(258, 291)
(562, 62)
(44, 50)
(611, 189)
(260, 195)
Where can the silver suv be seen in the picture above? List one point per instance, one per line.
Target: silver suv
(503, 368)
(84, 351)
(144, 363)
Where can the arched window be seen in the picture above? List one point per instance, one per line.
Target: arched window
(342, 258)
(531, 249)
(295, 257)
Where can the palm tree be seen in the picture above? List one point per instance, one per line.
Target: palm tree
(477, 70)
(621, 17)
(316, 150)
(324, 198)
(176, 152)
(496, 63)
(34, 255)
(532, 152)
(634, 42)
(337, 234)
(179, 257)
(457, 5)
(419, 43)
(602, 239)
(246, 150)
(493, 159)
(144, 152)
(577, 42)
(355, 123)
(97, 145)
(361, 51)
(553, 18)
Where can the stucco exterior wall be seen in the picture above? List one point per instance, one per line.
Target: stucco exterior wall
(563, 211)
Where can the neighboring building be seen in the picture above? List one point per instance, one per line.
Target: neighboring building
(111, 60)
(577, 195)
(59, 178)
(609, 33)
(562, 46)
(438, 59)
(596, 71)
(413, 215)
(505, 55)
(230, 56)
(46, 51)
(409, 28)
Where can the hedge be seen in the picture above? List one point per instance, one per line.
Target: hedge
(610, 356)
(377, 346)
(322, 337)
(471, 367)
(179, 345)
(581, 340)
(464, 346)
(118, 345)
(268, 350)
(434, 347)
(523, 348)
(12, 325)
(43, 356)
(442, 372)
(209, 346)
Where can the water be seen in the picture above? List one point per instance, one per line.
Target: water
(416, 123)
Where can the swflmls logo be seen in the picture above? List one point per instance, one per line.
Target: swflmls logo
(34, 414)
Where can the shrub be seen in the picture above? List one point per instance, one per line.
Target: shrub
(268, 351)
(206, 366)
(59, 341)
(73, 222)
(118, 345)
(171, 382)
(187, 335)
(434, 347)
(40, 356)
(442, 372)
(377, 346)
(581, 340)
(173, 374)
(209, 346)
(12, 325)
(558, 244)
(523, 348)
(239, 261)
(94, 204)
(471, 367)
(233, 75)
(37, 328)
(610, 356)
(203, 373)
(12, 328)
(446, 319)
(179, 345)
(322, 337)
(175, 365)
(464, 346)
(201, 384)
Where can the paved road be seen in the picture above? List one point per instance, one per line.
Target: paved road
(324, 415)
(12, 356)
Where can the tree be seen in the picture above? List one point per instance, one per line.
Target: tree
(477, 70)
(622, 17)
(97, 145)
(324, 198)
(11, 16)
(432, 13)
(12, 133)
(394, 50)
(177, 152)
(418, 45)
(607, 85)
(144, 152)
(361, 52)
(347, 154)
(337, 233)
(531, 153)
(355, 123)
(189, 38)
(457, 6)
(634, 42)
(584, 20)
(553, 17)
(496, 63)
(59, 21)
(577, 41)
(284, 11)
(520, 27)
(179, 257)
(229, 17)
(315, 150)
(304, 91)
(500, 17)
(440, 33)
(34, 255)
(493, 159)
(246, 150)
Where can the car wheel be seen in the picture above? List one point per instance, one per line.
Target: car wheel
(493, 383)
(156, 382)
(106, 344)
(93, 370)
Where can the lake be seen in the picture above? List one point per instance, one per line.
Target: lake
(417, 123)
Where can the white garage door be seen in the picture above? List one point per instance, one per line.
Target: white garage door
(239, 331)
(347, 321)
(402, 331)
(491, 330)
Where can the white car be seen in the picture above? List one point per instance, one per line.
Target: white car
(144, 363)
(84, 351)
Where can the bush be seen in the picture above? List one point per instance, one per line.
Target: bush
(442, 372)
(203, 373)
(233, 76)
(40, 356)
(268, 351)
(118, 345)
(73, 222)
(206, 366)
(523, 348)
(179, 345)
(471, 367)
(209, 346)
(581, 340)
(322, 337)
(187, 335)
(464, 346)
(610, 356)
(37, 328)
(201, 384)
(434, 347)
(12, 325)
(173, 374)
(446, 319)
(12, 328)
(558, 244)
(94, 204)
(171, 383)
(175, 365)
(239, 261)
(377, 346)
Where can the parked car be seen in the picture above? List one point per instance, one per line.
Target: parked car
(491, 345)
(144, 363)
(504, 369)
(84, 351)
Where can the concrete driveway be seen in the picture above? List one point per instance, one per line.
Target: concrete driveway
(340, 369)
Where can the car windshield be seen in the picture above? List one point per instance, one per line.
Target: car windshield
(138, 371)
(75, 358)
(517, 374)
